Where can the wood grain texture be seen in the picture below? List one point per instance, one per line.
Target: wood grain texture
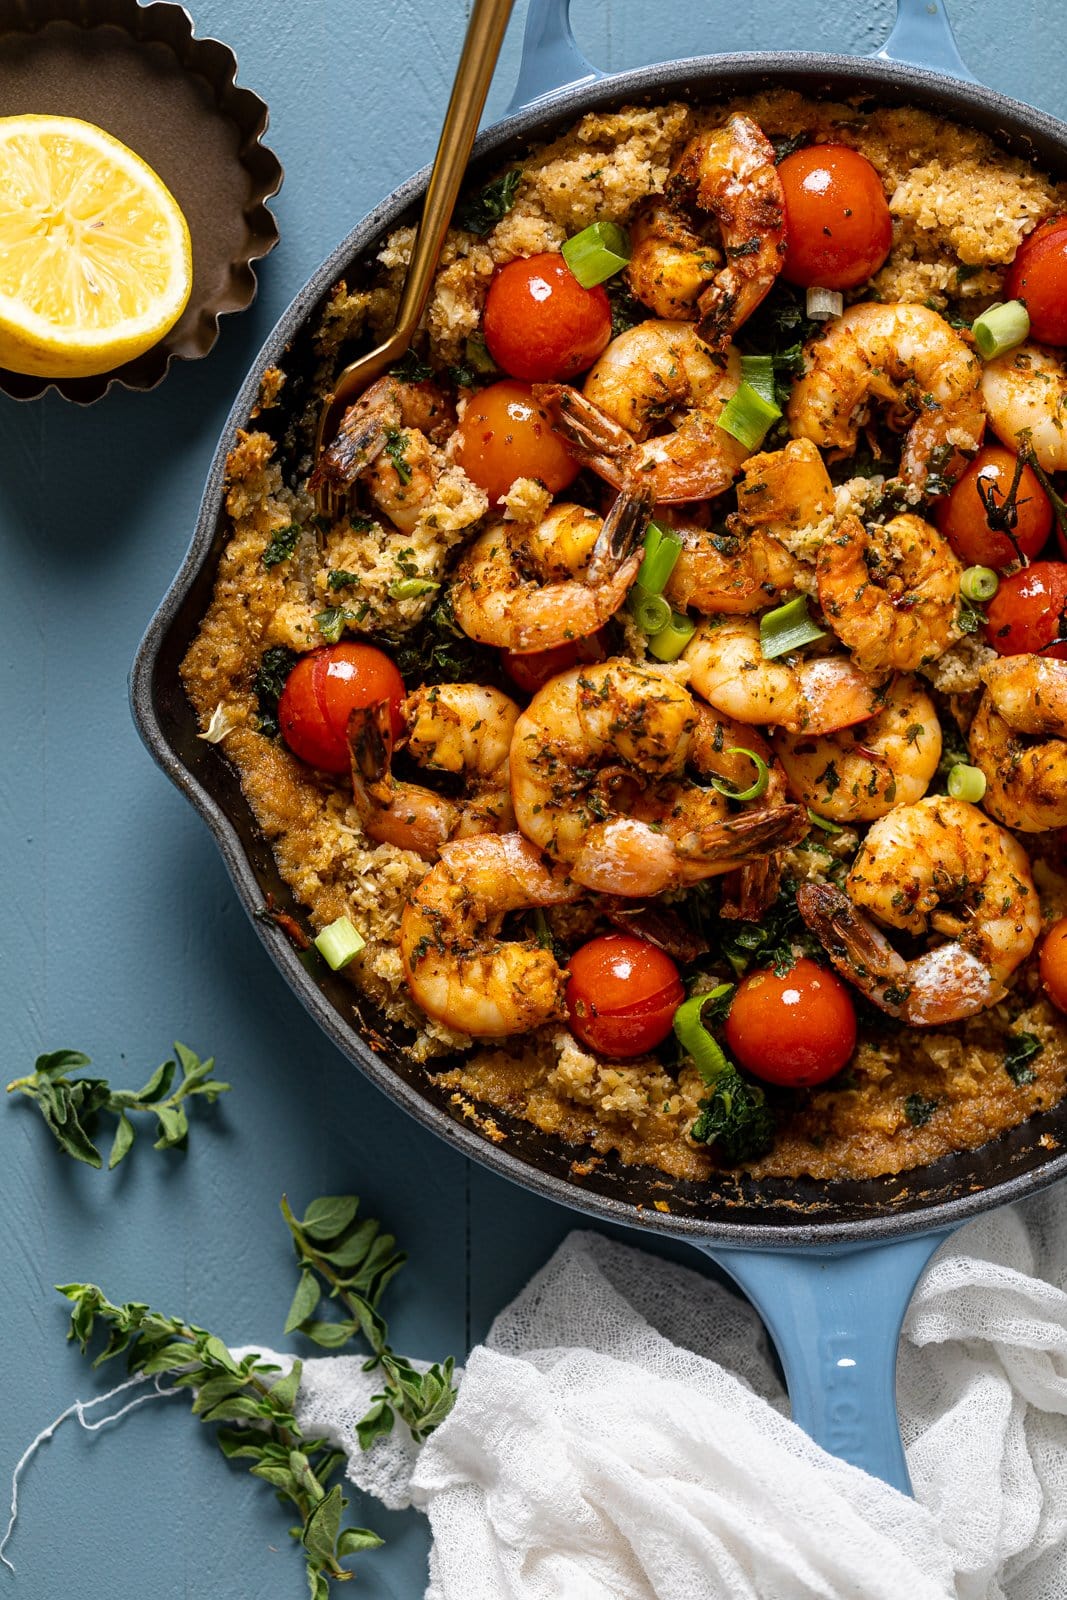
(122, 932)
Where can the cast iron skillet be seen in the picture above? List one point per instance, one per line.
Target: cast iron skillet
(831, 1266)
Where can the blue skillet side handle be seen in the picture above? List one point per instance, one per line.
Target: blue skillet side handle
(835, 1316)
(922, 37)
(551, 60)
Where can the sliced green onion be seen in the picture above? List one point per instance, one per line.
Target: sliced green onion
(966, 783)
(824, 303)
(411, 588)
(708, 1056)
(787, 628)
(748, 416)
(597, 253)
(822, 822)
(662, 549)
(756, 789)
(671, 640)
(650, 611)
(758, 371)
(979, 583)
(477, 353)
(1000, 328)
(338, 943)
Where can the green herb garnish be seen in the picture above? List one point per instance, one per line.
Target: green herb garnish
(1020, 1052)
(275, 666)
(409, 369)
(281, 545)
(481, 212)
(735, 1115)
(919, 1110)
(352, 1262)
(338, 578)
(395, 445)
(71, 1107)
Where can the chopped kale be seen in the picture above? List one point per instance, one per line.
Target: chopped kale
(338, 578)
(626, 310)
(919, 1110)
(274, 667)
(409, 369)
(438, 651)
(735, 1116)
(773, 941)
(394, 449)
(281, 545)
(481, 212)
(787, 144)
(1018, 1056)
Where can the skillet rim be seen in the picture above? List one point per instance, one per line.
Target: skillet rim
(698, 77)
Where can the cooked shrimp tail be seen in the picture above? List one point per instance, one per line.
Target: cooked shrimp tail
(855, 946)
(401, 814)
(594, 438)
(624, 527)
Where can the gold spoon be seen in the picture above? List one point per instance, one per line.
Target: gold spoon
(481, 46)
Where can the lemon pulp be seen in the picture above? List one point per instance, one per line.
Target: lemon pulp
(95, 255)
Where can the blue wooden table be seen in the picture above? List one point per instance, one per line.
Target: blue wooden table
(121, 930)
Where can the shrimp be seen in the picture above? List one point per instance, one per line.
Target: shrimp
(939, 867)
(1019, 739)
(458, 969)
(741, 571)
(859, 774)
(522, 589)
(891, 593)
(386, 438)
(598, 781)
(1025, 394)
(731, 173)
(459, 728)
(654, 371)
(727, 668)
(904, 354)
(670, 264)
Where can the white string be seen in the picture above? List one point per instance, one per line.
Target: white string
(78, 1409)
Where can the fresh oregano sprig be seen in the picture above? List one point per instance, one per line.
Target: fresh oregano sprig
(71, 1107)
(352, 1261)
(227, 1390)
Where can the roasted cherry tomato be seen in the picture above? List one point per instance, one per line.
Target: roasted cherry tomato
(531, 671)
(1053, 964)
(622, 994)
(963, 516)
(540, 323)
(321, 692)
(838, 230)
(1029, 611)
(799, 1029)
(506, 435)
(1038, 277)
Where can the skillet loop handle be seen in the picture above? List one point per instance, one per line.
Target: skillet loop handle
(835, 1316)
(551, 60)
(922, 37)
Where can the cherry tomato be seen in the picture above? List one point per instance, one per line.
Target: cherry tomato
(1053, 964)
(506, 435)
(532, 670)
(1038, 277)
(622, 994)
(323, 689)
(799, 1029)
(964, 520)
(838, 230)
(1029, 610)
(540, 323)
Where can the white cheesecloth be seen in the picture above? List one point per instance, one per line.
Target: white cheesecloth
(621, 1435)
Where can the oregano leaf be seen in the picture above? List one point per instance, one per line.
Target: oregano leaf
(305, 1301)
(122, 1141)
(352, 1540)
(322, 1527)
(327, 1217)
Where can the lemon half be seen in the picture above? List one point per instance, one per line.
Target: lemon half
(96, 263)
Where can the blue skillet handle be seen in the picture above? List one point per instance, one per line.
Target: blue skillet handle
(551, 60)
(835, 1317)
(922, 37)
